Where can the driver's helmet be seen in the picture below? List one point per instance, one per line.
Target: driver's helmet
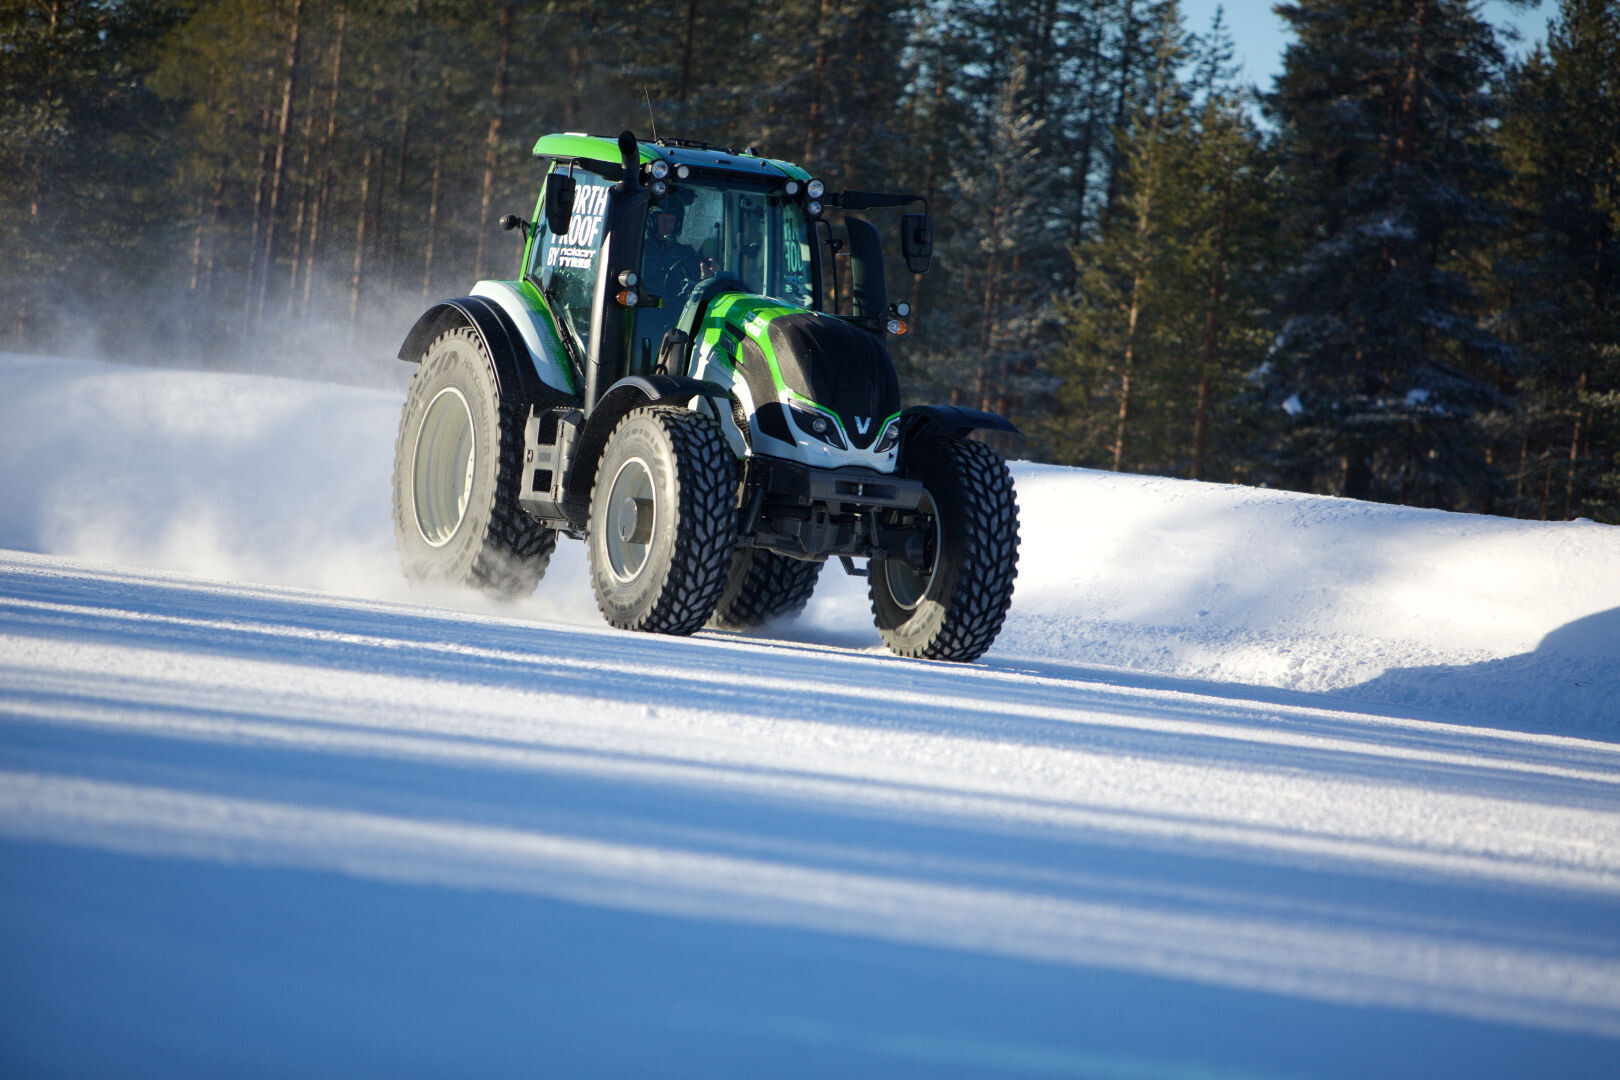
(673, 204)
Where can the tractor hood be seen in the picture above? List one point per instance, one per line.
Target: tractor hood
(807, 363)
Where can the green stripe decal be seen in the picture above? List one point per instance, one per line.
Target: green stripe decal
(537, 304)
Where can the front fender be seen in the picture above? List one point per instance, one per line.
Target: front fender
(623, 396)
(947, 421)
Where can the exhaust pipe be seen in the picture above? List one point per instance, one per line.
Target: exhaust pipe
(630, 160)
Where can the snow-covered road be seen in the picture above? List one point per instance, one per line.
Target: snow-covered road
(257, 830)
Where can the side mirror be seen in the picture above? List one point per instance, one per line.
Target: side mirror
(559, 203)
(917, 241)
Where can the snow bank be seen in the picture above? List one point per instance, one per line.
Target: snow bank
(1482, 620)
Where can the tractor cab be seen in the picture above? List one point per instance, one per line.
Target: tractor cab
(633, 242)
(709, 234)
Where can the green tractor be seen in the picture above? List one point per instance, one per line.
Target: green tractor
(669, 380)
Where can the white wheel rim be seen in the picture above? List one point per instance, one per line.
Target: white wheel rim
(632, 519)
(907, 586)
(442, 472)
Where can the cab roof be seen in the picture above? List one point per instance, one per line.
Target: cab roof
(573, 146)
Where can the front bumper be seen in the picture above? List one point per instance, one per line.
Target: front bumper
(809, 513)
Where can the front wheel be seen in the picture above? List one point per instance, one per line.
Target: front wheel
(951, 605)
(662, 523)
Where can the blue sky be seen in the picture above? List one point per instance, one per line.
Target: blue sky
(1261, 37)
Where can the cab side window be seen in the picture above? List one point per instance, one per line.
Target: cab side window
(565, 266)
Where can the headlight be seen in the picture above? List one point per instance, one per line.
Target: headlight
(659, 188)
(890, 437)
(814, 189)
(660, 169)
(818, 426)
(813, 208)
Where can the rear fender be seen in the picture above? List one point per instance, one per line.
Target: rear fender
(515, 372)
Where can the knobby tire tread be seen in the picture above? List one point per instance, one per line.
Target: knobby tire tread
(516, 549)
(705, 489)
(772, 587)
(984, 587)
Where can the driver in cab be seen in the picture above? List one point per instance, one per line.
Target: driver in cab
(669, 267)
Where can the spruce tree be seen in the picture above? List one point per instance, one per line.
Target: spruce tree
(1117, 336)
(1561, 273)
(1167, 308)
(1382, 371)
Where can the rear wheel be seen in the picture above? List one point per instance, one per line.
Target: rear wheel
(457, 463)
(662, 523)
(762, 586)
(951, 605)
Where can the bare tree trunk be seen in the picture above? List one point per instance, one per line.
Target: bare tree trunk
(583, 26)
(1127, 388)
(307, 137)
(216, 214)
(407, 82)
(359, 243)
(1082, 177)
(197, 245)
(1212, 332)
(1574, 451)
(195, 281)
(812, 127)
(288, 90)
(493, 141)
(258, 223)
(432, 227)
(931, 169)
(1520, 472)
(991, 294)
(1412, 89)
(685, 86)
(324, 189)
(1122, 98)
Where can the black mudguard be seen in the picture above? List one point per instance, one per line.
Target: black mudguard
(947, 421)
(514, 370)
(623, 396)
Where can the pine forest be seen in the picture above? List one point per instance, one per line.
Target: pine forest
(1393, 274)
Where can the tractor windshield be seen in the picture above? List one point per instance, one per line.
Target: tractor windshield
(704, 228)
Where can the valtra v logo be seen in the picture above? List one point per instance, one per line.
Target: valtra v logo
(862, 424)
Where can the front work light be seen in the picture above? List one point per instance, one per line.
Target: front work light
(814, 189)
(660, 169)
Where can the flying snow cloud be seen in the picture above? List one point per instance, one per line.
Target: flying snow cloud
(281, 481)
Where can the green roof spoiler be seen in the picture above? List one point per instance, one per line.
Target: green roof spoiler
(574, 146)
